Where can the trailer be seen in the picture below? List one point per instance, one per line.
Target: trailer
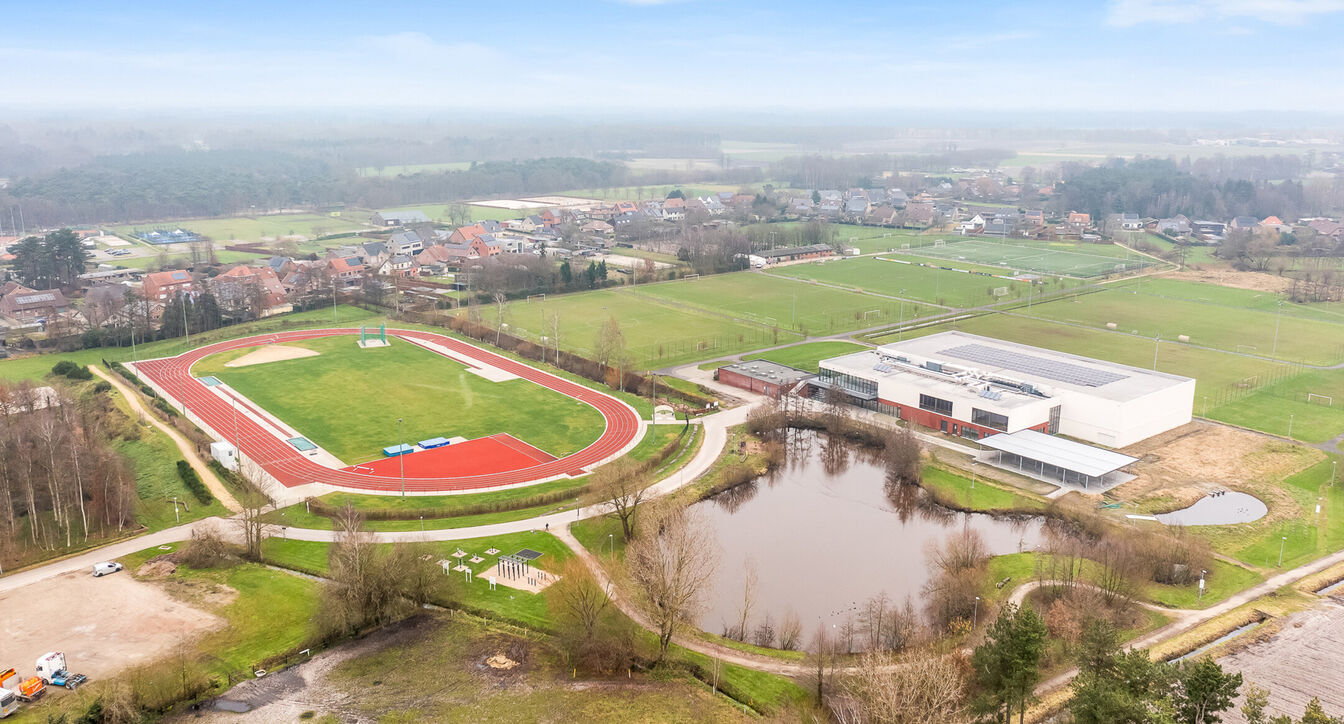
(52, 668)
(9, 702)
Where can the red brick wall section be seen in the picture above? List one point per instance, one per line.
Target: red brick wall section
(933, 421)
(739, 380)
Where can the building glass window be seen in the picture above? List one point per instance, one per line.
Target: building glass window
(992, 420)
(935, 404)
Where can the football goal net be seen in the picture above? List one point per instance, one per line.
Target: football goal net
(1313, 398)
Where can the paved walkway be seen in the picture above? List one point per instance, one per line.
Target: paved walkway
(184, 446)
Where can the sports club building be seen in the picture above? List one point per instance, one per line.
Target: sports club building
(972, 386)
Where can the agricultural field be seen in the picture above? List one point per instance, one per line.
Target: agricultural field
(786, 303)
(657, 334)
(639, 193)
(256, 228)
(438, 213)
(434, 396)
(1295, 337)
(882, 275)
(869, 239)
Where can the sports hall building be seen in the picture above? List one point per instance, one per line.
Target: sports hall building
(974, 387)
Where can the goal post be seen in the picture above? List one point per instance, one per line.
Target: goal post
(1314, 398)
(939, 242)
(872, 313)
(536, 297)
(691, 277)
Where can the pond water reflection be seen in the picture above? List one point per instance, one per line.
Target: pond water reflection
(827, 531)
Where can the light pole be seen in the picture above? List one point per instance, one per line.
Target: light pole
(1156, 346)
(975, 613)
(1282, 541)
(1277, 317)
(1333, 464)
(1201, 584)
(177, 516)
(1290, 426)
(973, 475)
(401, 458)
(333, 300)
(900, 329)
(1206, 406)
(422, 524)
(611, 541)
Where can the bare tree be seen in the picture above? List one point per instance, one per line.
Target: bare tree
(621, 486)
(921, 687)
(589, 629)
(671, 564)
(790, 631)
(750, 579)
(902, 456)
(251, 520)
(821, 653)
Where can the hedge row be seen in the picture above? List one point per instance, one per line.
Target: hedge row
(193, 482)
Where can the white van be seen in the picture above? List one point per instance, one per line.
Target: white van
(102, 569)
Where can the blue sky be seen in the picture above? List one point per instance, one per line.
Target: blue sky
(1211, 55)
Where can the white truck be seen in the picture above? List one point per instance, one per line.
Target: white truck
(51, 667)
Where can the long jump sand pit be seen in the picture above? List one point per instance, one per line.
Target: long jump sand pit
(102, 624)
(271, 353)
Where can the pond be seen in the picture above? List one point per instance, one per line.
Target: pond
(1222, 507)
(825, 533)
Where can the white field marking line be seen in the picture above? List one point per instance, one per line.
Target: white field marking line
(474, 366)
(273, 425)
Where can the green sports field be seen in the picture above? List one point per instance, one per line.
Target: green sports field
(1303, 335)
(1076, 260)
(777, 301)
(348, 399)
(256, 228)
(657, 333)
(884, 276)
(808, 355)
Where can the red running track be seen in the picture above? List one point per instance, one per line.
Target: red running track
(291, 468)
(494, 454)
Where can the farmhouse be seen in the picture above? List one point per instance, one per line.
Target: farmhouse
(971, 386)
(761, 376)
(790, 253)
(399, 218)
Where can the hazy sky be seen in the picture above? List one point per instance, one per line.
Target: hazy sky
(1212, 55)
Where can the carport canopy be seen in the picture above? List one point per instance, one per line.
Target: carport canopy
(1048, 451)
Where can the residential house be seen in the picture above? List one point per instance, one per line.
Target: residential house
(1079, 221)
(373, 253)
(1275, 223)
(526, 225)
(1245, 223)
(917, 215)
(400, 265)
(674, 209)
(345, 271)
(1131, 222)
(1178, 225)
(405, 243)
(22, 305)
(1327, 228)
(399, 218)
(856, 207)
(1033, 218)
(1208, 230)
(239, 286)
(898, 198)
(486, 245)
(884, 215)
(598, 228)
(164, 285)
(831, 208)
(467, 234)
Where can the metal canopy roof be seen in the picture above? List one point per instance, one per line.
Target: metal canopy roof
(1058, 452)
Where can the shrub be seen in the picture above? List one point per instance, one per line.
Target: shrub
(102, 386)
(66, 368)
(193, 482)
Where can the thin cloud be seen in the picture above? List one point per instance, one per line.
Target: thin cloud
(1128, 13)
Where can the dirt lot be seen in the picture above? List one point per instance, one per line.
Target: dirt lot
(102, 624)
(1305, 658)
(1180, 466)
(1255, 281)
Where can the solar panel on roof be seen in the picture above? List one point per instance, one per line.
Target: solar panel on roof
(1057, 370)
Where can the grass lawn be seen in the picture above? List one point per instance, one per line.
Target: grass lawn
(1305, 537)
(35, 367)
(986, 496)
(410, 383)
(657, 334)
(775, 301)
(882, 275)
(808, 355)
(1207, 324)
(1223, 580)
(510, 604)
